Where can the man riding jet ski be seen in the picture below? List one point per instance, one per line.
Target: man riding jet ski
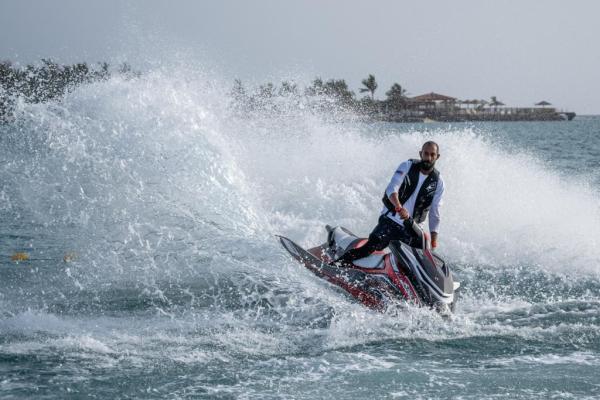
(408, 268)
(398, 273)
(416, 190)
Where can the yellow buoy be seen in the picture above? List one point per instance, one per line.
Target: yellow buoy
(69, 257)
(19, 257)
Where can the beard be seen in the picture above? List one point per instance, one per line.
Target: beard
(427, 165)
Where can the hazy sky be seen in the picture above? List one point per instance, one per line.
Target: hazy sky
(522, 51)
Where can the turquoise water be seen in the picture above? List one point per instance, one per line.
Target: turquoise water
(148, 209)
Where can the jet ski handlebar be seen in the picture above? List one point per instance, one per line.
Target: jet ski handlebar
(411, 224)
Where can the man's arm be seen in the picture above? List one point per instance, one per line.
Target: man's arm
(392, 189)
(434, 212)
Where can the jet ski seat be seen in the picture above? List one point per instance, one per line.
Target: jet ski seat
(342, 239)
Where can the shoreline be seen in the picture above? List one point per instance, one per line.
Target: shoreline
(550, 116)
(50, 81)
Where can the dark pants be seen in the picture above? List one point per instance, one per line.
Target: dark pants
(385, 231)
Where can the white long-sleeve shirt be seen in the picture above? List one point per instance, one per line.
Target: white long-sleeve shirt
(394, 186)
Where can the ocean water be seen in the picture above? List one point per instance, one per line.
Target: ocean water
(147, 209)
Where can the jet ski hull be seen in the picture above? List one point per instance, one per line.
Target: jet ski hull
(403, 274)
(350, 279)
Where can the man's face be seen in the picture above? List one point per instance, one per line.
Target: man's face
(429, 155)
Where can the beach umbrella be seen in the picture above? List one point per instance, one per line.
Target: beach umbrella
(543, 103)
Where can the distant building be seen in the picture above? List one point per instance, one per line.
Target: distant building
(433, 97)
(431, 101)
(438, 107)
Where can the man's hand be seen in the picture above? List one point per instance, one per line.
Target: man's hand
(402, 211)
(398, 207)
(433, 240)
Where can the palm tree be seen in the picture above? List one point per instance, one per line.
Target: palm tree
(369, 86)
(396, 93)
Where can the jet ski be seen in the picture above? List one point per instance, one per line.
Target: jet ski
(398, 274)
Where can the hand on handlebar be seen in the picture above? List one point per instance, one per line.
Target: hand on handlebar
(434, 236)
(402, 211)
(433, 243)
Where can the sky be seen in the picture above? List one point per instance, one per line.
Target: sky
(521, 51)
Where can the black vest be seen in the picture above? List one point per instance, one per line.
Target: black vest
(425, 195)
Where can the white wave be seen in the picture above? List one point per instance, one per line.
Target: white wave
(575, 358)
(154, 178)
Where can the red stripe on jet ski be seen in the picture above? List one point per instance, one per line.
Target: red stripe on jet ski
(399, 280)
(397, 277)
(361, 243)
(364, 297)
(428, 254)
(390, 272)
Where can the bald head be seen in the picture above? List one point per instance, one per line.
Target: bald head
(430, 143)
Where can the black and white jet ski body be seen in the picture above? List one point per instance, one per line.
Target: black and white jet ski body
(398, 273)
